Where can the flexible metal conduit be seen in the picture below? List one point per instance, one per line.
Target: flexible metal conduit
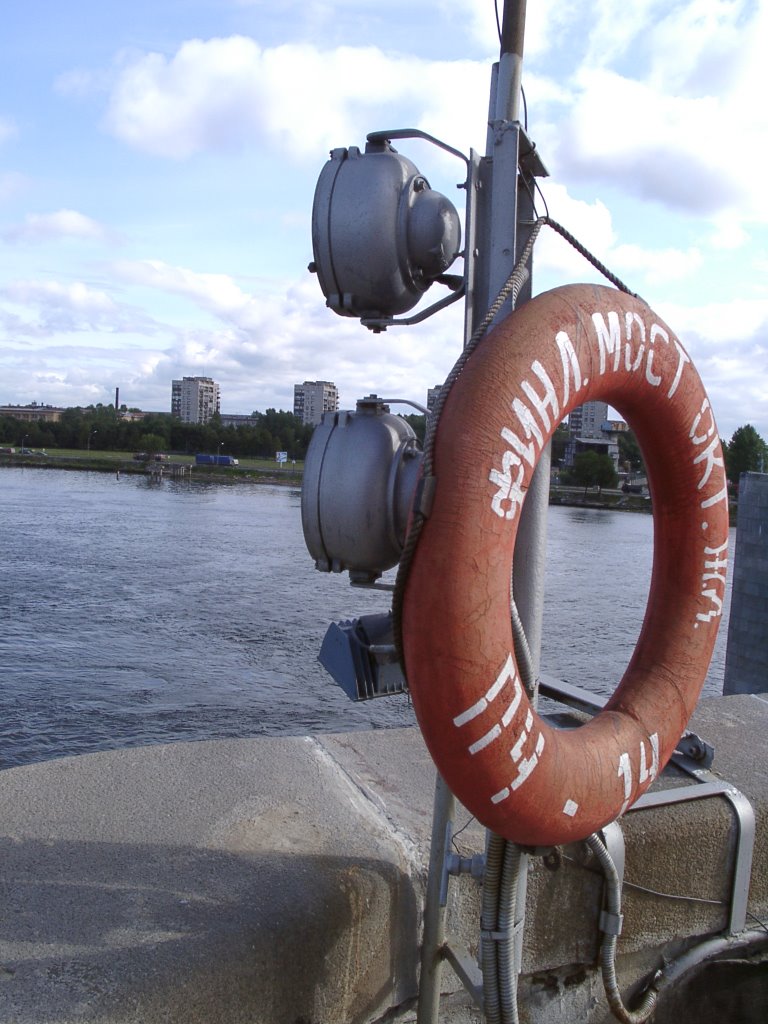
(608, 945)
(673, 971)
(494, 857)
(506, 961)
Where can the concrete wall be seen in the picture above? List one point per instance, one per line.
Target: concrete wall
(281, 881)
(746, 655)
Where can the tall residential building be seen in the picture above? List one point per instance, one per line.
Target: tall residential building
(589, 428)
(314, 397)
(588, 419)
(194, 399)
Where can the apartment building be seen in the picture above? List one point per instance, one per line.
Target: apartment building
(314, 397)
(194, 399)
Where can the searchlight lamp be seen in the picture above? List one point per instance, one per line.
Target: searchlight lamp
(360, 476)
(381, 236)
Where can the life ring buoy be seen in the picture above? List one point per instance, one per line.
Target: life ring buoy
(523, 778)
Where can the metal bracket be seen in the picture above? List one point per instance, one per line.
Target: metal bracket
(465, 966)
(694, 756)
(379, 324)
(455, 864)
(696, 748)
(710, 786)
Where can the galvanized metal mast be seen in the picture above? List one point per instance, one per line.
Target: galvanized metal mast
(500, 217)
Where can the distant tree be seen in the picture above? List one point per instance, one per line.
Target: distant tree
(629, 452)
(592, 469)
(418, 424)
(151, 443)
(746, 452)
(560, 439)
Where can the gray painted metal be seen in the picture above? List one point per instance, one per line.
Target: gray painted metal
(709, 785)
(433, 943)
(745, 834)
(360, 475)
(380, 234)
(491, 253)
(361, 657)
(467, 971)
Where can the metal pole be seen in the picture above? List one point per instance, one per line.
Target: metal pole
(500, 222)
(511, 60)
(433, 939)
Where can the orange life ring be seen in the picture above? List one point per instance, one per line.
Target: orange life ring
(523, 778)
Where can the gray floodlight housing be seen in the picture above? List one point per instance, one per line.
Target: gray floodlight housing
(360, 656)
(380, 234)
(360, 476)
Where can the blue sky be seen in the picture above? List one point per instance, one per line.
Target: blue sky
(158, 163)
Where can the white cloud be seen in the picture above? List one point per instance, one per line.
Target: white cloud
(699, 48)
(47, 308)
(657, 266)
(80, 82)
(721, 323)
(77, 296)
(45, 227)
(282, 334)
(651, 145)
(591, 223)
(230, 93)
(664, 106)
(546, 21)
(217, 293)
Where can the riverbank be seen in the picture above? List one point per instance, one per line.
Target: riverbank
(263, 471)
(183, 466)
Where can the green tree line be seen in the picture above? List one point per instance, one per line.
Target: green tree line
(746, 452)
(100, 427)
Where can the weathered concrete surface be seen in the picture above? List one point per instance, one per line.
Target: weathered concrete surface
(277, 881)
(229, 881)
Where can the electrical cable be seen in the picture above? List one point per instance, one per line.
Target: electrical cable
(610, 930)
(757, 920)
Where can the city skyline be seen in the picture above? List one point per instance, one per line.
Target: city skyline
(158, 172)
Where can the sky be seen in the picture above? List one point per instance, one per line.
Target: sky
(158, 161)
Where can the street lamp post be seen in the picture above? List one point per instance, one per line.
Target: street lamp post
(91, 433)
(23, 442)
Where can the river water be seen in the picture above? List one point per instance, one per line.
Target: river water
(134, 612)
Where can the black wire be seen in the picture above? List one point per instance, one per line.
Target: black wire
(524, 178)
(457, 834)
(498, 20)
(525, 107)
(762, 924)
(672, 895)
(543, 197)
(655, 892)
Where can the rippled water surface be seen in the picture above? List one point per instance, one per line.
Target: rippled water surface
(134, 613)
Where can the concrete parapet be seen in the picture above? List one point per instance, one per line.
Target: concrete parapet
(281, 881)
